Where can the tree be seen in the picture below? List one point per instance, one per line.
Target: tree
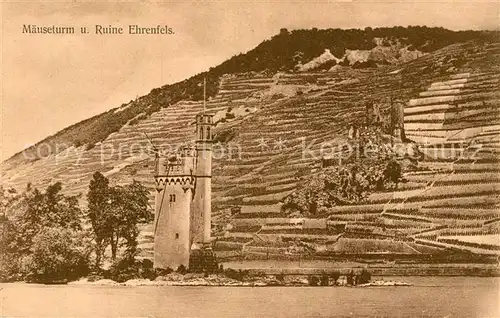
(313, 280)
(25, 224)
(367, 167)
(335, 277)
(129, 208)
(8, 197)
(37, 210)
(57, 255)
(364, 277)
(114, 213)
(9, 267)
(58, 209)
(324, 279)
(98, 213)
(393, 172)
(350, 278)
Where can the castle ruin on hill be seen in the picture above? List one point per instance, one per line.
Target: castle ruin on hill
(392, 123)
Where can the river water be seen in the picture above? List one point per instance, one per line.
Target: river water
(428, 297)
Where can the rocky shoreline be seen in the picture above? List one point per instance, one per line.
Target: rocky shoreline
(175, 279)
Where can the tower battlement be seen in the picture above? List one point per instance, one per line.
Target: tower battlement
(161, 182)
(178, 164)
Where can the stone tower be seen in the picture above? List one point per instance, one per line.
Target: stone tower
(183, 199)
(174, 191)
(202, 204)
(397, 120)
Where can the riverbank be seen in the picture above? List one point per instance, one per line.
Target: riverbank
(317, 267)
(175, 279)
(217, 281)
(435, 296)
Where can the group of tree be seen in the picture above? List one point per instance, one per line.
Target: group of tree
(47, 237)
(341, 185)
(369, 166)
(114, 213)
(284, 50)
(332, 279)
(42, 236)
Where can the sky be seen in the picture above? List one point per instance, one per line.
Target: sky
(51, 81)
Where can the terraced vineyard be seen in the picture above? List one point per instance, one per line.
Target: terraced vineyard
(451, 117)
(273, 129)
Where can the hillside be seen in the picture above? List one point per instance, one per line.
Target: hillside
(266, 116)
(286, 51)
(450, 203)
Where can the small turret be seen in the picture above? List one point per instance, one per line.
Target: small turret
(397, 120)
(204, 123)
(202, 206)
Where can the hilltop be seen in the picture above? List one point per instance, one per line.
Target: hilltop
(268, 107)
(286, 52)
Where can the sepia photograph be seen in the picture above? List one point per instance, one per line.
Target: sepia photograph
(244, 158)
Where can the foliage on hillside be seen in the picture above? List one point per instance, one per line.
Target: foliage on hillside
(341, 185)
(282, 52)
(44, 236)
(372, 166)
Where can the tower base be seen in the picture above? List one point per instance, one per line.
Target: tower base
(203, 260)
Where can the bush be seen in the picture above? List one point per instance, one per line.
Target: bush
(122, 270)
(9, 268)
(56, 256)
(129, 268)
(324, 280)
(349, 183)
(364, 277)
(335, 277)
(313, 280)
(350, 278)
(182, 269)
(280, 277)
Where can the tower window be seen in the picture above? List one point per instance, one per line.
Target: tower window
(208, 133)
(176, 235)
(172, 198)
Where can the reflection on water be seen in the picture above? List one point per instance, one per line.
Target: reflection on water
(429, 297)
